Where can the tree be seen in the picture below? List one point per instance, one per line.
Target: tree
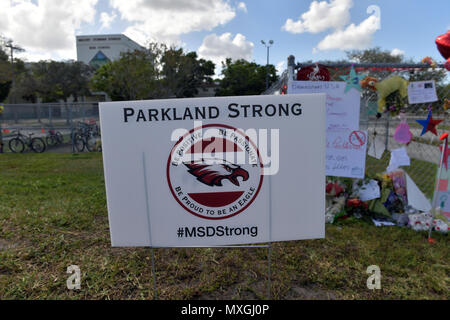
(5, 75)
(56, 80)
(241, 77)
(373, 55)
(158, 72)
(132, 77)
(183, 73)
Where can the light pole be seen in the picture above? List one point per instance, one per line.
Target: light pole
(267, 64)
(13, 48)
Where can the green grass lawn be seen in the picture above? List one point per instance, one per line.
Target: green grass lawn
(53, 215)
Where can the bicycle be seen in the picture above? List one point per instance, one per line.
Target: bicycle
(20, 141)
(54, 138)
(85, 135)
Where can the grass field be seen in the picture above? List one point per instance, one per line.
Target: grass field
(53, 215)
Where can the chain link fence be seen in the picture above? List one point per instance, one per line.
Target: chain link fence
(423, 150)
(43, 120)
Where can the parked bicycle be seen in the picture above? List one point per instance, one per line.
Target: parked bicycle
(54, 138)
(86, 136)
(21, 141)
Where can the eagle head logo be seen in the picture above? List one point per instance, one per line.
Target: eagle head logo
(213, 174)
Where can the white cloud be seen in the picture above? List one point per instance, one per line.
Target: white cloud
(397, 52)
(106, 19)
(281, 66)
(321, 16)
(218, 48)
(164, 21)
(353, 36)
(241, 6)
(45, 26)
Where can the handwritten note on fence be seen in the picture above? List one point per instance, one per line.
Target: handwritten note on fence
(346, 145)
(342, 107)
(344, 158)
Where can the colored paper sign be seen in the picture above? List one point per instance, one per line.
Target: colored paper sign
(214, 171)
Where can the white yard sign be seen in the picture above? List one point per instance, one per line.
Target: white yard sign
(214, 171)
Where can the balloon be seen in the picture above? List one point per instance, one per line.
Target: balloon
(447, 64)
(443, 44)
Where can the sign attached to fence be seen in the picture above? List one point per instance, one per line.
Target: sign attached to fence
(342, 107)
(346, 153)
(422, 91)
(346, 144)
(214, 171)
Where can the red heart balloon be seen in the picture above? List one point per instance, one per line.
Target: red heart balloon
(443, 44)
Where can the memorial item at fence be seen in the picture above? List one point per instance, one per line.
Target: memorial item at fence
(443, 44)
(443, 179)
(346, 144)
(316, 73)
(422, 91)
(389, 86)
(429, 61)
(403, 133)
(429, 124)
(447, 64)
(353, 80)
(446, 104)
(399, 157)
(376, 147)
(369, 82)
(385, 199)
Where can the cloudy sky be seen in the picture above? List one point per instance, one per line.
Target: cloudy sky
(217, 29)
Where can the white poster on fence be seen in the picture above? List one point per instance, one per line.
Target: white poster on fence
(342, 107)
(346, 145)
(422, 91)
(346, 153)
(214, 171)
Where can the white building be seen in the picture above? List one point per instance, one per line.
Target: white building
(96, 50)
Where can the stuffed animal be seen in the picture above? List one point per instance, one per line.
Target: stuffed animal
(420, 221)
(446, 104)
(440, 226)
(369, 82)
(388, 86)
(337, 206)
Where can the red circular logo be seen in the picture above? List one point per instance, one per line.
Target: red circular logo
(214, 171)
